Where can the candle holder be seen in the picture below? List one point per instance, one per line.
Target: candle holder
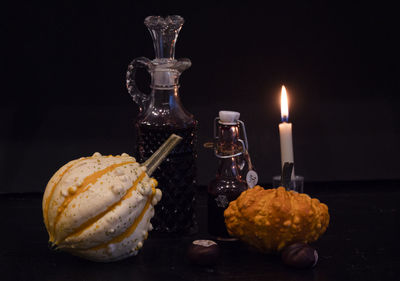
(296, 184)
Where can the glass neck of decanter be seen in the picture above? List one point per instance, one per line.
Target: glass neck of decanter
(166, 98)
(165, 69)
(164, 78)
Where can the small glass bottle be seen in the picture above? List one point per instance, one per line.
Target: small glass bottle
(161, 114)
(229, 182)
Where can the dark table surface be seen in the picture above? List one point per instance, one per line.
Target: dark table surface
(361, 243)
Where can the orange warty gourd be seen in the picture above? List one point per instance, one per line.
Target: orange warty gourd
(270, 219)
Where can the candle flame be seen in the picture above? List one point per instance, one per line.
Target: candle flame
(284, 105)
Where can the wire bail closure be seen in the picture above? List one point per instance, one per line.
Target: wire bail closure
(245, 144)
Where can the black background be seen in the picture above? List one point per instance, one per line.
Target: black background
(63, 89)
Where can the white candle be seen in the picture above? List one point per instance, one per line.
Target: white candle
(285, 131)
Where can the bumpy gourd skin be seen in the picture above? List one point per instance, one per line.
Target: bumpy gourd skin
(100, 207)
(270, 219)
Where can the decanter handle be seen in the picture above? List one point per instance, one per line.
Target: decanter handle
(138, 96)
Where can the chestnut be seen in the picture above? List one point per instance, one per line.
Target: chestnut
(299, 255)
(203, 252)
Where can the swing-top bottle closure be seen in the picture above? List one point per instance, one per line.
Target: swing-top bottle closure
(228, 144)
(229, 118)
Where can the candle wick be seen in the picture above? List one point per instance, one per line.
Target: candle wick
(285, 118)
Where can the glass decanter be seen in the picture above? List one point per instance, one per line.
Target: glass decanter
(160, 114)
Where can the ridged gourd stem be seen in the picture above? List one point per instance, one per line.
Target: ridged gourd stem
(156, 159)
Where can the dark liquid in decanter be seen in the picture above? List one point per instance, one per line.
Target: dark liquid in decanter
(175, 176)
